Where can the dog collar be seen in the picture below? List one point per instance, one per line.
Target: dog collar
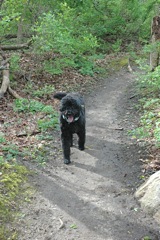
(75, 119)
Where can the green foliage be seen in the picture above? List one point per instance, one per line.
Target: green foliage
(14, 62)
(36, 154)
(61, 35)
(77, 29)
(149, 80)
(73, 226)
(12, 192)
(149, 121)
(8, 22)
(44, 91)
(10, 151)
(117, 45)
(2, 138)
(51, 117)
(25, 105)
(50, 122)
(53, 67)
(146, 238)
(85, 65)
(149, 86)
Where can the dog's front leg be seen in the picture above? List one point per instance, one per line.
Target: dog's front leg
(81, 140)
(66, 148)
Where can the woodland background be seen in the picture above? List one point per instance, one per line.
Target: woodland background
(65, 45)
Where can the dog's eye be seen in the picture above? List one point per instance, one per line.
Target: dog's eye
(62, 109)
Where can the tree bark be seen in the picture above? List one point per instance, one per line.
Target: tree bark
(5, 81)
(155, 38)
(5, 69)
(20, 31)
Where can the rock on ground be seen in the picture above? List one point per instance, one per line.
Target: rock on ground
(148, 194)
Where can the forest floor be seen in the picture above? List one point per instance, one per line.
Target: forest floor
(93, 197)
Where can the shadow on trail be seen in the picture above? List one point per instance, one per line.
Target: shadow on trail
(116, 158)
(94, 218)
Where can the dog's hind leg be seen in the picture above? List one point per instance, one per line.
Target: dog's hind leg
(71, 142)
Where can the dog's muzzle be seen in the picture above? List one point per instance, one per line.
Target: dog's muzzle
(70, 118)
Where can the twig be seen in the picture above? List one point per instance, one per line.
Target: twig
(129, 66)
(62, 224)
(119, 129)
(26, 134)
(133, 96)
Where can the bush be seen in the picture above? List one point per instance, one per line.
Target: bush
(63, 36)
(149, 86)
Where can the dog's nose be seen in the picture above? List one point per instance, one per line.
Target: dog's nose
(69, 112)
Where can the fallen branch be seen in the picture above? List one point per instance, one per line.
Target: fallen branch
(13, 93)
(27, 134)
(16, 47)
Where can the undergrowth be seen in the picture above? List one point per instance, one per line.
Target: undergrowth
(14, 188)
(13, 191)
(149, 85)
(50, 119)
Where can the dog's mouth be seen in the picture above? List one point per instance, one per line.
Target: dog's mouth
(70, 118)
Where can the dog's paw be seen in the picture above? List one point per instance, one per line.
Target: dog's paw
(67, 161)
(81, 148)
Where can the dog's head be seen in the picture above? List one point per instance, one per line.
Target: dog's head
(70, 109)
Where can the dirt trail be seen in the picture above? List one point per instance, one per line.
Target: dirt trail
(92, 198)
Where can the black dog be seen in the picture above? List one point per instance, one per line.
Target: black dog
(72, 120)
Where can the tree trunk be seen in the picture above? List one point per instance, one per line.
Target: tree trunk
(5, 69)
(155, 40)
(5, 81)
(20, 31)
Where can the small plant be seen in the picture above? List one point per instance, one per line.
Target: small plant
(73, 226)
(2, 138)
(46, 124)
(45, 137)
(46, 90)
(14, 62)
(85, 65)
(10, 151)
(54, 68)
(117, 45)
(36, 154)
(25, 105)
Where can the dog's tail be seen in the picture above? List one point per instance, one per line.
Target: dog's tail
(59, 95)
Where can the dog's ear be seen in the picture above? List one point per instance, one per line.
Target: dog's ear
(59, 95)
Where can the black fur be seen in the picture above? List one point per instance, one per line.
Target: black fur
(72, 120)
